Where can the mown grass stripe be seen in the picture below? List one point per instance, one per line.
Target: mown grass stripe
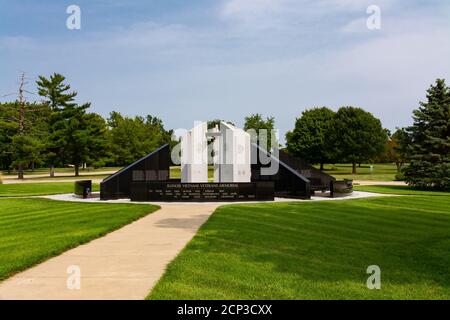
(33, 230)
(317, 250)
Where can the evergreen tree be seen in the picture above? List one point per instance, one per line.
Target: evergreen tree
(55, 91)
(57, 96)
(80, 135)
(308, 139)
(430, 140)
(75, 136)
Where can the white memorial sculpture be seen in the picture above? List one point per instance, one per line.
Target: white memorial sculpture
(230, 153)
(194, 155)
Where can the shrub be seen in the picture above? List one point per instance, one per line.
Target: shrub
(399, 177)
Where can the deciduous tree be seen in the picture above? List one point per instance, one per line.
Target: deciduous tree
(308, 140)
(356, 136)
(257, 123)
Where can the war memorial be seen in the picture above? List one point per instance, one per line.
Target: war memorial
(243, 171)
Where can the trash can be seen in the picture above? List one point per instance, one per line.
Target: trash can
(83, 188)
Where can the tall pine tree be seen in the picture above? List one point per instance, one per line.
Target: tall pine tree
(57, 96)
(76, 137)
(430, 140)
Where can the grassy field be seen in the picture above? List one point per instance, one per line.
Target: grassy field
(38, 189)
(380, 171)
(175, 173)
(317, 250)
(33, 230)
(68, 171)
(401, 190)
(68, 178)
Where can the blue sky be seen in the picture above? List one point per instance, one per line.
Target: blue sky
(201, 59)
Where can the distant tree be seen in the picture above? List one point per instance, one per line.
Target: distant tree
(22, 132)
(401, 143)
(99, 153)
(395, 150)
(216, 122)
(133, 138)
(257, 123)
(25, 149)
(8, 129)
(308, 139)
(355, 136)
(430, 140)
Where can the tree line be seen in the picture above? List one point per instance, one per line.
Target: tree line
(57, 131)
(352, 135)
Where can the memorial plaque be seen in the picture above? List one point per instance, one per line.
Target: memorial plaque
(201, 192)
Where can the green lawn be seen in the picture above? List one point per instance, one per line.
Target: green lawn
(317, 250)
(68, 177)
(33, 230)
(175, 173)
(380, 171)
(401, 190)
(38, 189)
(69, 171)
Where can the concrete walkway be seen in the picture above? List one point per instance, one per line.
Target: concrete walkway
(320, 197)
(95, 176)
(124, 264)
(378, 183)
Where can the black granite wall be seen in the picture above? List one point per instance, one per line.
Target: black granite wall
(153, 167)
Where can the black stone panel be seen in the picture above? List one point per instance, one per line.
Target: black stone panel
(288, 182)
(83, 188)
(153, 167)
(202, 192)
(319, 180)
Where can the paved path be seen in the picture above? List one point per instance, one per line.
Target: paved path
(95, 176)
(379, 183)
(124, 264)
(325, 197)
